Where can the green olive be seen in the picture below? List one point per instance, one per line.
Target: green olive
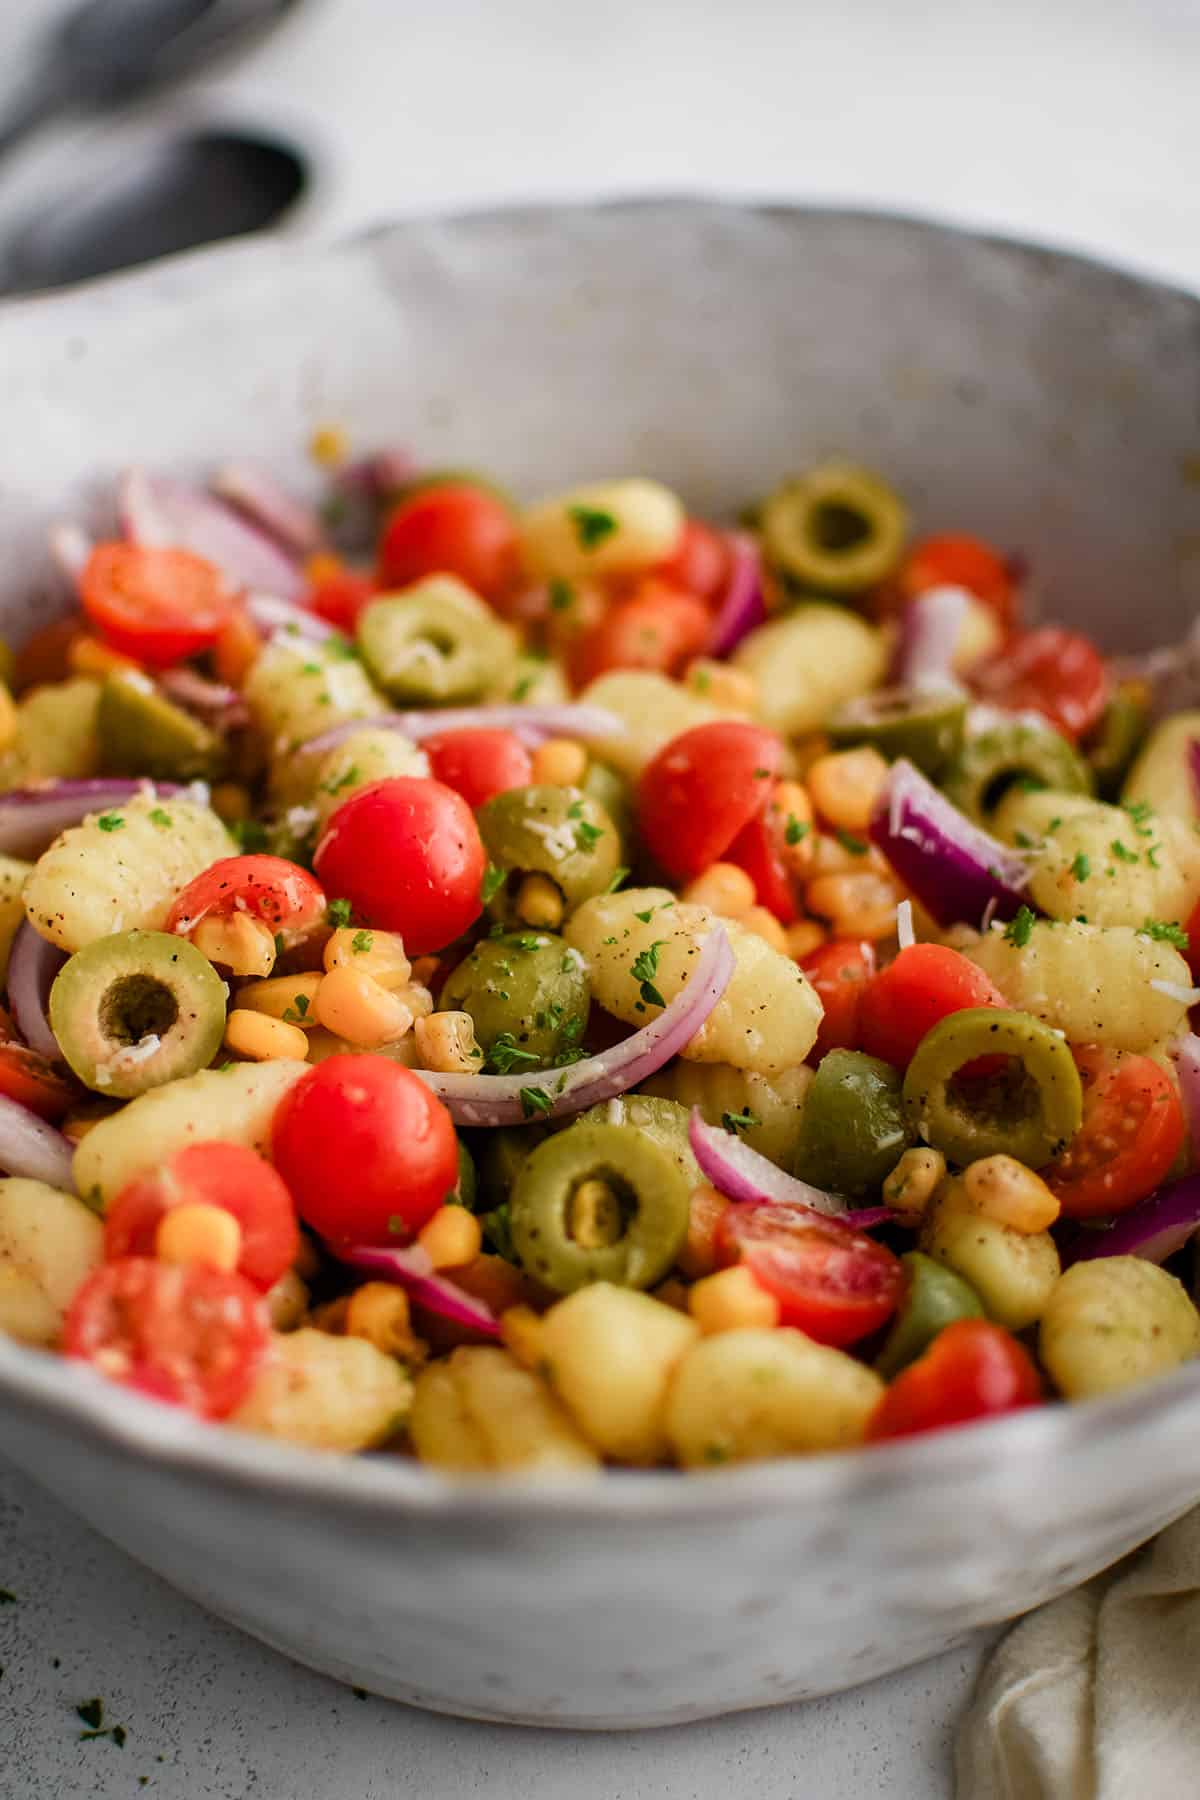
(924, 726)
(501, 1156)
(614, 794)
(1017, 751)
(559, 832)
(664, 1122)
(854, 1129)
(465, 1190)
(1118, 737)
(838, 529)
(1030, 1111)
(144, 733)
(936, 1298)
(434, 645)
(528, 995)
(599, 1203)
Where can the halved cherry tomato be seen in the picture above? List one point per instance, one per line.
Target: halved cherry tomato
(46, 656)
(159, 606)
(657, 626)
(840, 971)
(955, 559)
(972, 1370)
(833, 1282)
(210, 1174)
(183, 1333)
(280, 893)
(340, 596)
(700, 563)
(407, 854)
(237, 648)
(758, 848)
(452, 528)
(366, 1150)
(1131, 1133)
(906, 1000)
(32, 1081)
(478, 764)
(1053, 672)
(702, 789)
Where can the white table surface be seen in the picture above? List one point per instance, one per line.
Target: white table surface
(1066, 120)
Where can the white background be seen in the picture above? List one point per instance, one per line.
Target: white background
(1070, 122)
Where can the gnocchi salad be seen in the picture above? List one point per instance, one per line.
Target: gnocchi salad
(532, 988)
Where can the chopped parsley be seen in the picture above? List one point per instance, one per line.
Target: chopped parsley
(701, 680)
(1029, 784)
(311, 668)
(506, 1055)
(644, 968)
(343, 781)
(110, 821)
(160, 818)
(1122, 852)
(280, 944)
(493, 881)
(1152, 855)
(249, 834)
(1081, 865)
(223, 1067)
(535, 1100)
(337, 914)
(295, 1012)
(592, 525)
(1165, 932)
(619, 875)
(1019, 927)
(795, 829)
(734, 1122)
(854, 845)
(562, 595)
(587, 836)
(646, 916)
(498, 1227)
(1055, 822)
(1140, 811)
(523, 688)
(361, 942)
(1024, 841)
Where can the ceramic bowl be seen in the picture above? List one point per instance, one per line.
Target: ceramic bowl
(1045, 401)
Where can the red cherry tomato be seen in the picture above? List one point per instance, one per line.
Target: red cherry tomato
(702, 789)
(700, 562)
(832, 1282)
(280, 893)
(1131, 1133)
(758, 848)
(340, 596)
(183, 1333)
(32, 1081)
(210, 1174)
(159, 606)
(367, 1151)
(1053, 672)
(478, 764)
(46, 655)
(656, 627)
(972, 1370)
(408, 856)
(906, 1000)
(452, 528)
(953, 559)
(840, 971)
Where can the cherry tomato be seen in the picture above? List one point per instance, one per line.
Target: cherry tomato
(700, 562)
(478, 764)
(452, 528)
(972, 1370)
(32, 1081)
(159, 606)
(407, 854)
(280, 893)
(702, 789)
(832, 1282)
(924, 984)
(757, 848)
(183, 1333)
(1131, 1133)
(340, 596)
(840, 971)
(46, 656)
(237, 648)
(656, 627)
(367, 1151)
(953, 559)
(210, 1174)
(1053, 672)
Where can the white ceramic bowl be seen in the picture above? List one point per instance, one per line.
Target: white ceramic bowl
(1044, 401)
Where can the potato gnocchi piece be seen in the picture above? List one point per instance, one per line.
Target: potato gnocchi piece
(13, 876)
(49, 1242)
(652, 711)
(808, 662)
(529, 680)
(368, 755)
(236, 1105)
(481, 1410)
(1161, 776)
(1095, 859)
(1013, 1272)
(328, 1393)
(120, 870)
(1113, 1323)
(768, 1016)
(1091, 982)
(773, 1103)
(609, 1356)
(57, 735)
(296, 690)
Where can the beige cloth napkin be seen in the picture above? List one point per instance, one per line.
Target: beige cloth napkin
(1096, 1696)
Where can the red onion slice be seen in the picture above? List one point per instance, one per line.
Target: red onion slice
(1153, 1229)
(32, 966)
(31, 818)
(379, 476)
(30, 1147)
(270, 614)
(172, 515)
(264, 503)
(742, 606)
(414, 1272)
(746, 1176)
(70, 547)
(1193, 762)
(955, 869)
(867, 1218)
(929, 633)
(565, 720)
(497, 1099)
(1186, 1055)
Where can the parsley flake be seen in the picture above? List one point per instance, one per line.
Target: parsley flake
(1081, 865)
(646, 916)
(110, 821)
(1165, 932)
(795, 829)
(1140, 811)
(160, 818)
(854, 845)
(592, 525)
(295, 1012)
(337, 914)
(1122, 852)
(523, 688)
(248, 834)
(644, 968)
(587, 836)
(734, 1122)
(619, 875)
(1019, 927)
(506, 1055)
(562, 595)
(493, 881)
(361, 942)
(535, 1100)
(343, 781)
(1152, 855)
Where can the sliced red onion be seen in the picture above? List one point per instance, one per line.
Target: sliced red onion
(1153, 1229)
(70, 546)
(867, 1218)
(565, 720)
(497, 1099)
(30, 1147)
(260, 499)
(173, 515)
(1193, 761)
(271, 614)
(929, 632)
(210, 700)
(32, 966)
(414, 1272)
(955, 869)
(380, 475)
(31, 818)
(742, 606)
(744, 1175)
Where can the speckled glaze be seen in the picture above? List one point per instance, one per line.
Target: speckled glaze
(1045, 401)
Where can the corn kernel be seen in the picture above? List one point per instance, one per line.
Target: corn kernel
(231, 801)
(237, 649)
(845, 854)
(846, 785)
(241, 944)
(291, 998)
(199, 1233)
(89, 656)
(329, 446)
(8, 719)
(446, 1042)
(765, 925)
(732, 1300)
(856, 906)
(805, 936)
(451, 1237)
(380, 1313)
(1003, 1189)
(914, 1181)
(723, 887)
(254, 1035)
(539, 903)
(353, 1005)
(323, 565)
(699, 1254)
(377, 953)
(559, 762)
(521, 1333)
(723, 686)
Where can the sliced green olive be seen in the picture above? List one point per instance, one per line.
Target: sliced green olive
(465, 1190)
(854, 1128)
(1118, 737)
(143, 733)
(664, 1122)
(936, 1298)
(528, 995)
(924, 726)
(1002, 756)
(434, 645)
(838, 529)
(1031, 1110)
(559, 832)
(599, 1203)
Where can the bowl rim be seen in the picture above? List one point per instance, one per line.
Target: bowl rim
(48, 1387)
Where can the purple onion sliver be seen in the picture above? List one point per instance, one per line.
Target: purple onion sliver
(1193, 761)
(929, 633)
(1153, 1229)
(70, 547)
(271, 614)
(32, 966)
(530, 723)
(1186, 1054)
(261, 500)
(742, 606)
(745, 1176)
(412, 1270)
(31, 818)
(31, 1148)
(869, 1217)
(172, 515)
(955, 869)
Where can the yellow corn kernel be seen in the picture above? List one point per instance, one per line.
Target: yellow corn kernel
(539, 903)
(731, 1300)
(733, 690)
(698, 1255)
(379, 1313)
(236, 650)
(765, 925)
(914, 1181)
(724, 887)
(377, 953)
(1001, 1188)
(291, 998)
(805, 936)
(559, 762)
(199, 1233)
(791, 810)
(262, 1039)
(353, 1005)
(845, 854)
(329, 446)
(323, 565)
(89, 656)
(846, 786)
(856, 906)
(8, 719)
(451, 1237)
(521, 1335)
(231, 801)
(241, 944)
(446, 1042)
